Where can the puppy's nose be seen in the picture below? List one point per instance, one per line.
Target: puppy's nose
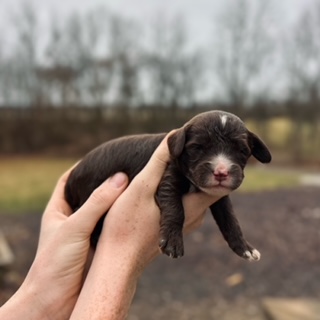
(220, 173)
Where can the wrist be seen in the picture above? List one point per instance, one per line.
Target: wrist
(113, 275)
(39, 291)
(24, 304)
(137, 250)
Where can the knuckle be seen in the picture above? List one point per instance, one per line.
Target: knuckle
(100, 197)
(144, 184)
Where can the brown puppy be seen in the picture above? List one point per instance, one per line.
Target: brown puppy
(208, 154)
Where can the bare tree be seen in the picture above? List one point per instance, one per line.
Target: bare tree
(302, 61)
(241, 51)
(66, 56)
(174, 69)
(3, 95)
(24, 58)
(98, 72)
(74, 47)
(125, 53)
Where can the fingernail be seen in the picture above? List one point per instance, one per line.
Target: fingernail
(118, 180)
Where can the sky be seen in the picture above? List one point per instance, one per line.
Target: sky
(200, 10)
(197, 13)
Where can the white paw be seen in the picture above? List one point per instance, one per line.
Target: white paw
(253, 255)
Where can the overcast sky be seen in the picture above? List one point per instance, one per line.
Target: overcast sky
(195, 9)
(197, 13)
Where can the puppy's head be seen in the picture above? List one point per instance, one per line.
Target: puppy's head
(212, 150)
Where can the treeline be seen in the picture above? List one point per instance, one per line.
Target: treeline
(100, 64)
(100, 59)
(75, 130)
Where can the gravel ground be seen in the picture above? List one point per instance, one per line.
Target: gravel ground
(211, 282)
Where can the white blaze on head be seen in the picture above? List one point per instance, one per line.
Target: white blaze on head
(223, 119)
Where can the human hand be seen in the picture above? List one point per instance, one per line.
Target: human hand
(129, 242)
(53, 283)
(133, 222)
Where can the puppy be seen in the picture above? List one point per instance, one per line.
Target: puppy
(208, 154)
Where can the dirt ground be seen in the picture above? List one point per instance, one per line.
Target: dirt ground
(211, 282)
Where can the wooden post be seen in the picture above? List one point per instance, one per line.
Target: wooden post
(6, 255)
(291, 309)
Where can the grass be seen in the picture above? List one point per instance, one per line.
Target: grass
(265, 178)
(278, 133)
(26, 183)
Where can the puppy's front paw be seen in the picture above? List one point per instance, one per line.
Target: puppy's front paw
(252, 255)
(245, 250)
(171, 244)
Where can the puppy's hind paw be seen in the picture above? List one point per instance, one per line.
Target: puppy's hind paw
(172, 246)
(252, 255)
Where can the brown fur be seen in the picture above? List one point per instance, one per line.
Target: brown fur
(191, 148)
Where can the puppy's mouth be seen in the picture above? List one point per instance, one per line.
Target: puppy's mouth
(221, 184)
(218, 186)
(216, 183)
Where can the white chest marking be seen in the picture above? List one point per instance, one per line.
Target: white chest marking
(224, 119)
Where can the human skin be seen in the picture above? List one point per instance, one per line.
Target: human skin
(53, 283)
(129, 242)
(54, 288)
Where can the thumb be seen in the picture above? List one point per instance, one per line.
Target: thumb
(99, 202)
(154, 169)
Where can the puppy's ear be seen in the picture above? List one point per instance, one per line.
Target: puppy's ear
(176, 142)
(258, 149)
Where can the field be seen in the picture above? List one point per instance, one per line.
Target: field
(26, 183)
(210, 282)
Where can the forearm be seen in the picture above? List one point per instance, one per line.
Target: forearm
(105, 297)
(24, 304)
(110, 284)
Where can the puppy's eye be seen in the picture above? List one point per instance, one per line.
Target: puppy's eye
(244, 150)
(195, 146)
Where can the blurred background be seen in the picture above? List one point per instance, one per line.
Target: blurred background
(74, 75)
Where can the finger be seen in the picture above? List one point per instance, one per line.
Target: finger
(154, 169)
(99, 202)
(58, 192)
(196, 205)
(198, 201)
(57, 202)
